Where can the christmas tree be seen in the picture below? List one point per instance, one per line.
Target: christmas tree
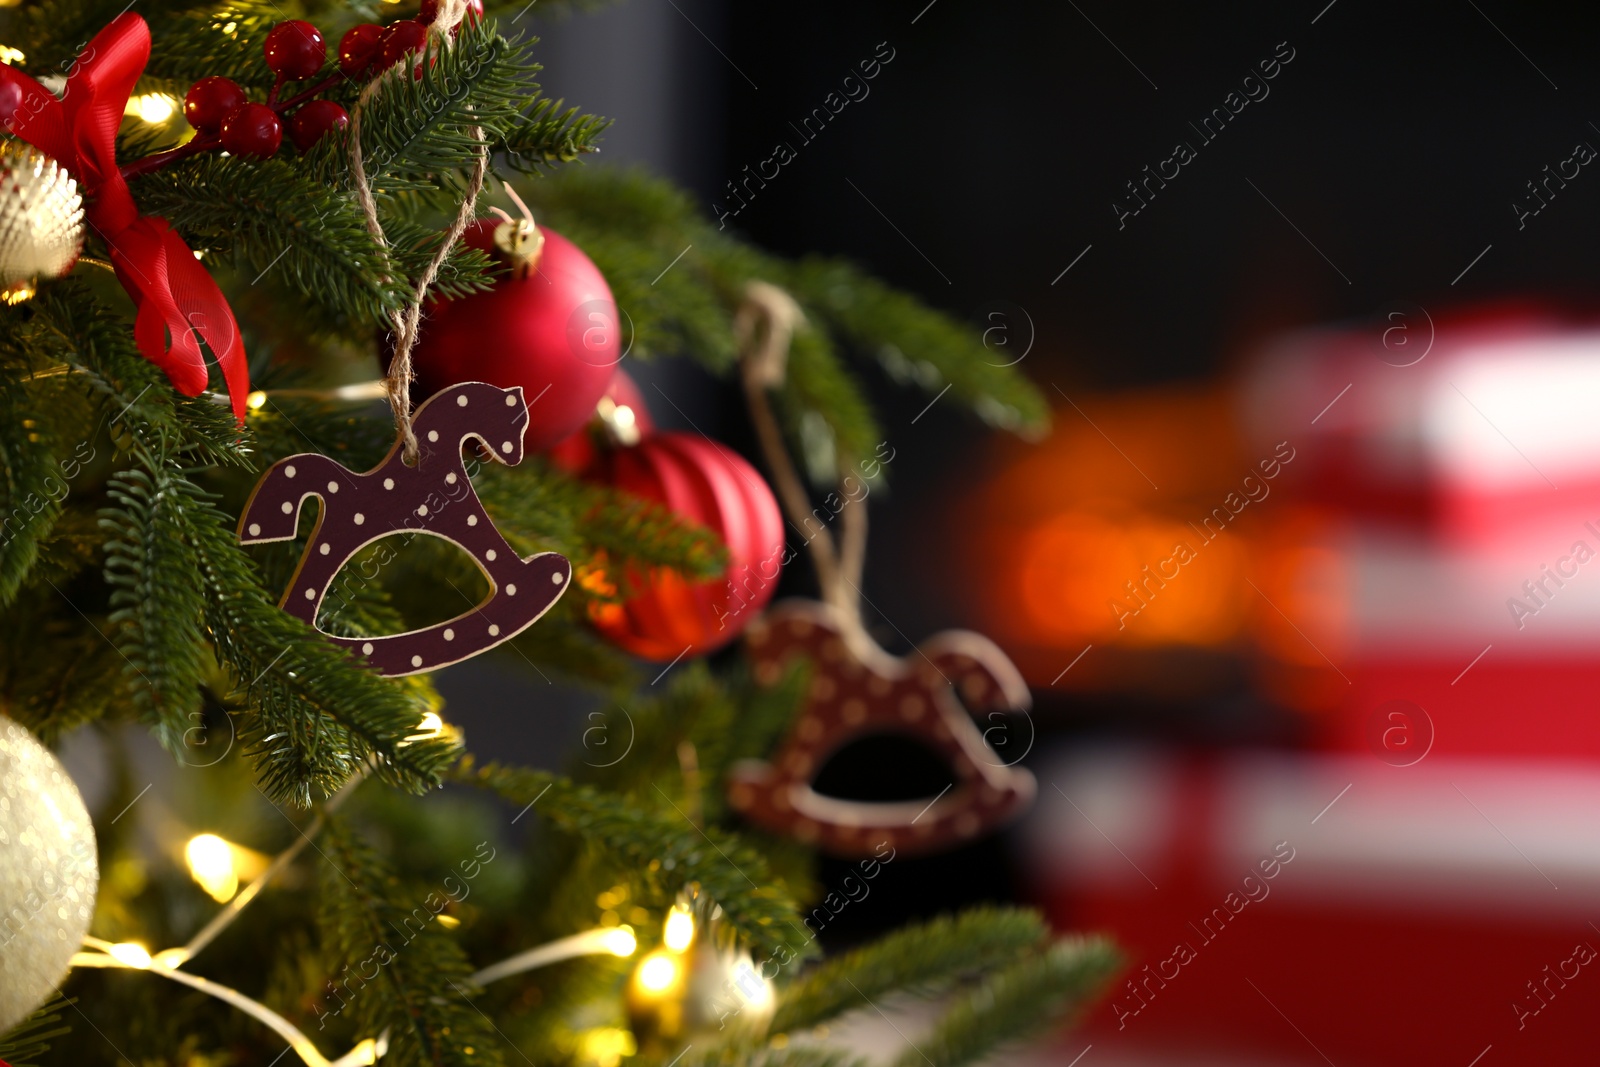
(219, 223)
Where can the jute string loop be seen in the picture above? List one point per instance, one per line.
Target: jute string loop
(764, 327)
(408, 320)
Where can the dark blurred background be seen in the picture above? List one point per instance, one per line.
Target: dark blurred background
(981, 172)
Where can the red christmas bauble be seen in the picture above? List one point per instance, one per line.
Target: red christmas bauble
(359, 47)
(623, 421)
(252, 131)
(551, 330)
(705, 482)
(313, 121)
(210, 100)
(295, 49)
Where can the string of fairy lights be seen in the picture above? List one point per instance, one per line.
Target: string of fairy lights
(234, 875)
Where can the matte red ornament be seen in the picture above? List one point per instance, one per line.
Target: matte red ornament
(252, 131)
(699, 480)
(854, 694)
(359, 47)
(399, 40)
(210, 100)
(295, 49)
(434, 497)
(313, 121)
(550, 326)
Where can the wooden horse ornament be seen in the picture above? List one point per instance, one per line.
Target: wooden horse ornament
(434, 497)
(858, 689)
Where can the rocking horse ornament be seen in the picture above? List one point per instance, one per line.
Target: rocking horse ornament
(433, 497)
(856, 688)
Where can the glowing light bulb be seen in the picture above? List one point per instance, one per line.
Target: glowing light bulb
(170, 958)
(606, 1046)
(154, 108)
(658, 972)
(211, 864)
(428, 727)
(131, 953)
(620, 941)
(679, 932)
(10, 56)
(18, 293)
(256, 400)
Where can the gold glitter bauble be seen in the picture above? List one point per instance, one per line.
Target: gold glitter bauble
(41, 216)
(48, 872)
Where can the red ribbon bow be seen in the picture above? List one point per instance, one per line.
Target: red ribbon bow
(178, 302)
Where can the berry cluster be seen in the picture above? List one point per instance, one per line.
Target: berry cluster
(224, 117)
(218, 107)
(370, 48)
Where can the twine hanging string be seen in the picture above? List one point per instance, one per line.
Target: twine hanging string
(408, 320)
(764, 327)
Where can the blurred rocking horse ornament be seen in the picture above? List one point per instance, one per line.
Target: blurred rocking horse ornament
(856, 688)
(433, 496)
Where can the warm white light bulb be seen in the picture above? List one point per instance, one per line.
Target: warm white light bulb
(679, 932)
(658, 972)
(211, 864)
(131, 953)
(154, 108)
(620, 941)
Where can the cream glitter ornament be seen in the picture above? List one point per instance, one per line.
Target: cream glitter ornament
(41, 220)
(48, 872)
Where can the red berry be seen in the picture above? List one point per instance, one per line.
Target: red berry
(314, 120)
(430, 11)
(210, 100)
(253, 131)
(399, 40)
(295, 49)
(359, 47)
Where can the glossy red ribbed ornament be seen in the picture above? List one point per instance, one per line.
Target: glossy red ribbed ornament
(549, 326)
(709, 484)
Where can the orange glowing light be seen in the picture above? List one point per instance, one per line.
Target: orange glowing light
(1136, 579)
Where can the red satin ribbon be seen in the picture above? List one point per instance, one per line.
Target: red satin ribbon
(178, 301)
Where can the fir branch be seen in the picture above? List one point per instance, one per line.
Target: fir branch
(31, 1037)
(223, 41)
(633, 225)
(70, 324)
(747, 1054)
(315, 713)
(157, 606)
(917, 345)
(58, 671)
(544, 135)
(417, 126)
(1016, 1003)
(283, 426)
(419, 990)
(694, 710)
(547, 508)
(766, 712)
(661, 845)
(819, 388)
(33, 489)
(464, 271)
(926, 957)
(270, 216)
